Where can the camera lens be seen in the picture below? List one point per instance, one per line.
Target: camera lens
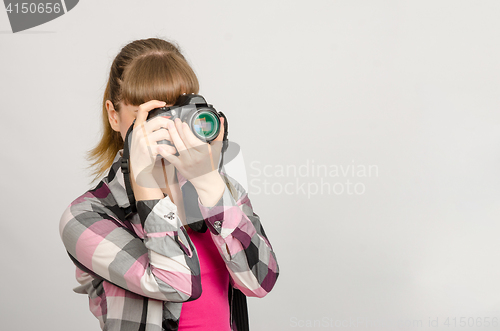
(206, 125)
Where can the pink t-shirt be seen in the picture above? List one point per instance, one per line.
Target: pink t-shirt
(211, 310)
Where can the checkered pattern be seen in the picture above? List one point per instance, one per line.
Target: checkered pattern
(137, 272)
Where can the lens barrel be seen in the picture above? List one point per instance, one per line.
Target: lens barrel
(202, 118)
(205, 124)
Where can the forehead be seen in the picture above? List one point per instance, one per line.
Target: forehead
(128, 107)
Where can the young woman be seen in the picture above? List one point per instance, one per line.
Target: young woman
(149, 270)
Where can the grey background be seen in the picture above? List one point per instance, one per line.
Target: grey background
(410, 87)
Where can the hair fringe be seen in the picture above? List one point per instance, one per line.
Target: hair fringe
(145, 69)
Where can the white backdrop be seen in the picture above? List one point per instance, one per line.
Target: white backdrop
(370, 132)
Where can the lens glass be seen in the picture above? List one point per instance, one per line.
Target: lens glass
(206, 125)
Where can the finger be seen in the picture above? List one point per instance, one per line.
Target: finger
(180, 129)
(140, 138)
(164, 148)
(168, 155)
(190, 138)
(220, 137)
(142, 113)
(158, 135)
(159, 122)
(179, 144)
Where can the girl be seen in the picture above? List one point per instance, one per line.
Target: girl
(140, 262)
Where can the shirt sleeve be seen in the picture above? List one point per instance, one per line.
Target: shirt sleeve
(241, 240)
(163, 266)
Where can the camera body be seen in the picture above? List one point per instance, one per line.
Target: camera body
(202, 118)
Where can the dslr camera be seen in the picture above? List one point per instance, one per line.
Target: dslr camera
(202, 118)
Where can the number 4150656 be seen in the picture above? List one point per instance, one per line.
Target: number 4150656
(33, 8)
(471, 321)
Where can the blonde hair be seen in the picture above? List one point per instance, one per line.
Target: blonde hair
(146, 69)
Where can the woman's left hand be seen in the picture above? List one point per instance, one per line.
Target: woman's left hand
(197, 161)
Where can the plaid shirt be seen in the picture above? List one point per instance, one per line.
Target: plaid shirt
(138, 271)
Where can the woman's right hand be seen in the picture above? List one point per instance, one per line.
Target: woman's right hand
(144, 151)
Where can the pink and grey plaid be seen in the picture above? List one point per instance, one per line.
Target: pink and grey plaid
(138, 271)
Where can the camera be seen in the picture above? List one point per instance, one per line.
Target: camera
(202, 118)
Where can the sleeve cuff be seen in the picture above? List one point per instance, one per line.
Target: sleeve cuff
(157, 215)
(216, 217)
